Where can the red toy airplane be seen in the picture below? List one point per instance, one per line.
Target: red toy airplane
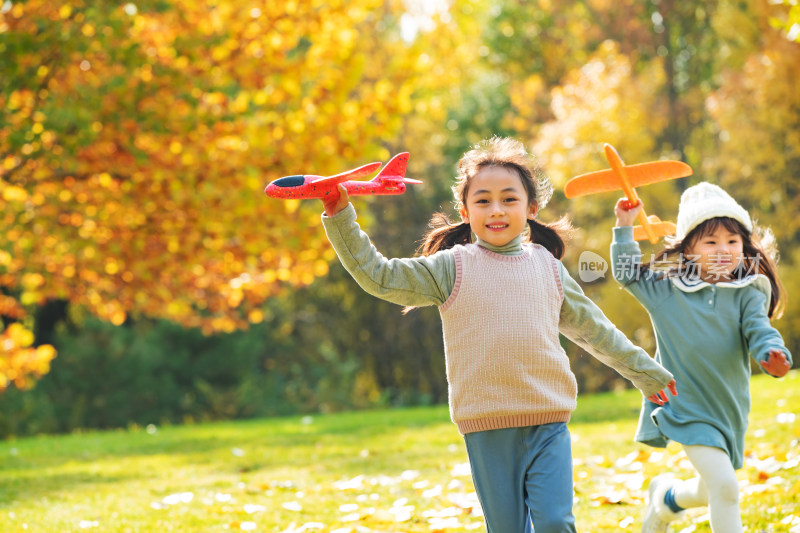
(624, 177)
(390, 180)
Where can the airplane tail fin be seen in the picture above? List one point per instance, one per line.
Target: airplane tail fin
(395, 170)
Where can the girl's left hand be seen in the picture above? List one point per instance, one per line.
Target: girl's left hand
(626, 213)
(660, 397)
(777, 365)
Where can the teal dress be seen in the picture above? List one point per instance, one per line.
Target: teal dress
(705, 335)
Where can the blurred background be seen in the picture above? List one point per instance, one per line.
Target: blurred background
(146, 279)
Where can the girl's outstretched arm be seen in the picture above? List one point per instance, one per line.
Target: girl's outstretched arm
(764, 342)
(414, 281)
(584, 323)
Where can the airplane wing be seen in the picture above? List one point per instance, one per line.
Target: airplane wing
(355, 174)
(640, 174)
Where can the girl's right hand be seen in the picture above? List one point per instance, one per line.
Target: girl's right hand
(336, 204)
(660, 397)
(626, 213)
(777, 364)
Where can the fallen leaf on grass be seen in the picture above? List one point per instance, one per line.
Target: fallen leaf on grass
(626, 522)
(173, 499)
(401, 511)
(309, 526)
(791, 520)
(441, 525)
(466, 500)
(252, 508)
(608, 497)
(292, 506)
(443, 513)
(356, 483)
(461, 470)
(433, 493)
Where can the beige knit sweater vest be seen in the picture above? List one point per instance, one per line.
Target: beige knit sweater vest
(505, 364)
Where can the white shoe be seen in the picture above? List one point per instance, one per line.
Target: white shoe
(657, 515)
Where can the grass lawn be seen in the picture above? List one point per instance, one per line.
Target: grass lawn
(384, 471)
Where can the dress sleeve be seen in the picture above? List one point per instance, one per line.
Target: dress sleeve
(761, 337)
(415, 281)
(584, 323)
(649, 288)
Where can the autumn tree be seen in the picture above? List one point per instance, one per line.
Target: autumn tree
(136, 140)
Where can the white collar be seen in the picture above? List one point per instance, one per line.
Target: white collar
(693, 284)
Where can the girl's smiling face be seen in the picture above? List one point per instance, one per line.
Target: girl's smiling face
(497, 207)
(717, 253)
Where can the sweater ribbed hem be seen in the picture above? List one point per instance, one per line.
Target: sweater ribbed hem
(511, 421)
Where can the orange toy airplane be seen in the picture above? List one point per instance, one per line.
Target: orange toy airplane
(626, 177)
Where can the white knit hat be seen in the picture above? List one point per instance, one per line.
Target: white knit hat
(704, 201)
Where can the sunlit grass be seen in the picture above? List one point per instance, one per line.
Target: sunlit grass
(387, 471)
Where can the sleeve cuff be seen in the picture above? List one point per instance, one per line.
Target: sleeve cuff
(345, 215)
(623, 234)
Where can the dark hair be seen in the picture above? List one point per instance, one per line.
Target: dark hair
(758, 248)
(510, 154)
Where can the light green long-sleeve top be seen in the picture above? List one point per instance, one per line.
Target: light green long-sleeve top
(429, 280)
(705, 334)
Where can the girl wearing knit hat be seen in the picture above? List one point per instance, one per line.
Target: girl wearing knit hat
(502, 302)
(710, 301)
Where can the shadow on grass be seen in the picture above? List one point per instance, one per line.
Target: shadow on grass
(34, 467)
(38, 485)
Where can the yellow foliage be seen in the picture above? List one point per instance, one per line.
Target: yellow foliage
(604, 101)
(20, 362)
(135, 185)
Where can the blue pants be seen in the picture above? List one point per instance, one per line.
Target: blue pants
(523, 475)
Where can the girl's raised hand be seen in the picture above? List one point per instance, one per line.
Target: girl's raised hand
(777, 364)
(660, 397)
(626, 213)
(334, 205)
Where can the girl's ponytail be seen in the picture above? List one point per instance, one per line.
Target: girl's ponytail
(551, 236)
(443, 234)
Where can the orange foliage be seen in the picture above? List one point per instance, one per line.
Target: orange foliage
(136, 140)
